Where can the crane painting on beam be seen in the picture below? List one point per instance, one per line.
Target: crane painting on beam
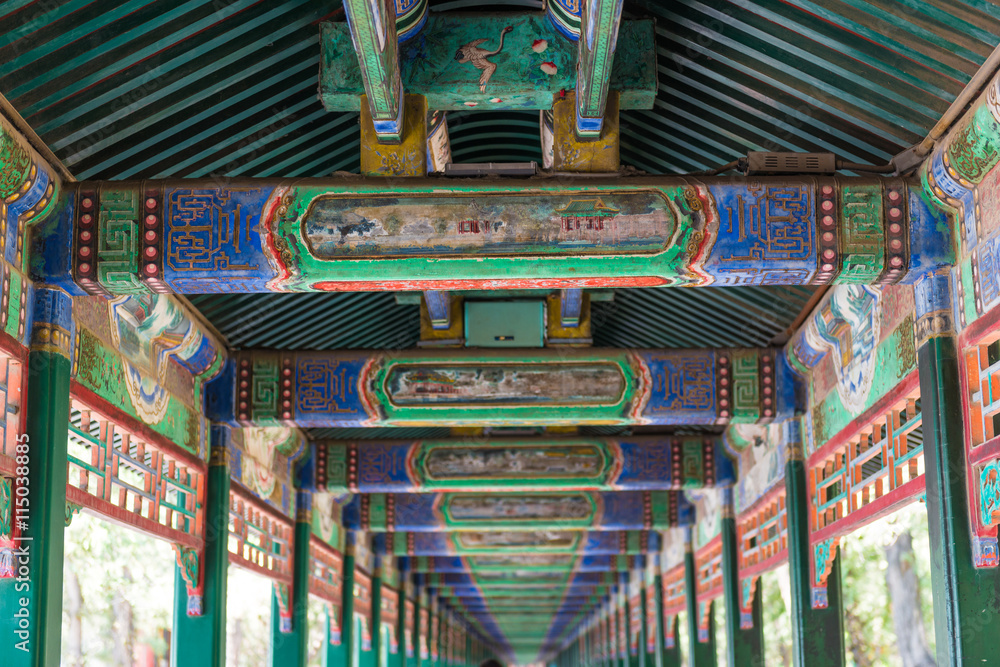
(480, 57)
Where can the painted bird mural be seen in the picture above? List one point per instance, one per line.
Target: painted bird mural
(472, 53)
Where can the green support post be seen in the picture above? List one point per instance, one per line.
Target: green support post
(31, 603)
(965, 598)
(745, 647)
(416, 660)
(703, 653)
(638, 659)
(655, 659)
(348, 639)
(644, 660)
(375, 622)
(817, 634)
(334, 655)
(200, 641)
(290, 646)
(404, 585)
(674, 657)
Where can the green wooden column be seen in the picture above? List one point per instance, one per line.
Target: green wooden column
(638, 659)
(200, 641)
(334, 654)
(674, 657)
(966, 599)
(31, 603)
(645, 658)
(404, 587)
(416, 660)
(703, 654)
(745, 647)
(657, 657)
(290, 646)
(375, 622)
(817, 634)
(348, 639)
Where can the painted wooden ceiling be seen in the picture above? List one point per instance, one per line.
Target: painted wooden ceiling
(186, 88)
(133, 88)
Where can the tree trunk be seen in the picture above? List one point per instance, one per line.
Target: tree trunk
(904, 596)
(73, 608)
(124, 631)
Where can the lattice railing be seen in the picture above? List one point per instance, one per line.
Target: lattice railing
(763, 534)
(982, 401)
(877, 468)
(260, 539)
(116, 473)
(326, 571)
(982, 366)
(634, 623)
(389, 615)
(326, 581)
(674, 602)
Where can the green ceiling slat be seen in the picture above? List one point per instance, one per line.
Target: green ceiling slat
(871, 27)
(208, 99)
(182, 54)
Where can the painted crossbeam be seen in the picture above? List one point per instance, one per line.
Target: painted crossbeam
(356, 234)
(528, 511)
(536, 542)
(506, 464)
(487, 61)
(501, 388)
(523, 562)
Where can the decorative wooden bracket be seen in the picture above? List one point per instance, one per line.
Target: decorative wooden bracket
(598, 39)
(571, 304)
(6, 528)
(823, 555)
(282, 592)
(189, 561)
(439, 308)
(748, 588)
(373, 33)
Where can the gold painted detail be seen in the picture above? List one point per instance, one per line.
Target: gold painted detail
(52, 338)
(599, 155)
(935, 324)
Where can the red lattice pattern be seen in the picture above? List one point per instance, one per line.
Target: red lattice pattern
(124, 477)
(871, 473)
(763, 535)
(260, 539)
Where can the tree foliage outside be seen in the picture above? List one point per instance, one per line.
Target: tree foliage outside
(248, 619)
(118, 593)
(870, 636)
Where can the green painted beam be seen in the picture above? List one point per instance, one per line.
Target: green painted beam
(537, 464)
(370, 234)
(500, 387)
(487, 62)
